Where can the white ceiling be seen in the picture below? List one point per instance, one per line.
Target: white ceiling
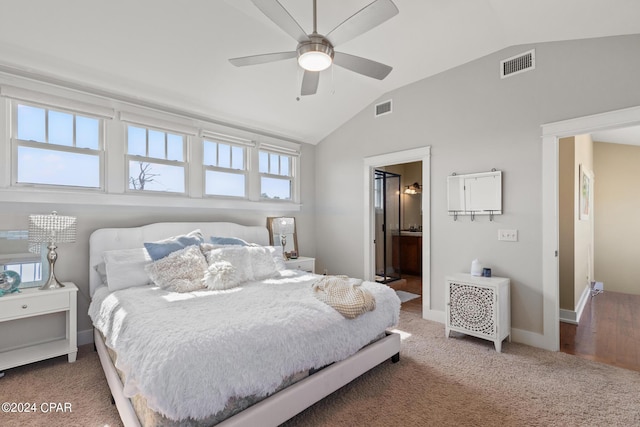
(176, 52)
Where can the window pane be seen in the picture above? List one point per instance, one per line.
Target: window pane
(31, 123)
(264, 162)
(284, 165)
(87, 132)
(174, 147)
(224, 184)
(274, 188)
(273, 164)
(210, 153)
(155, 177)
(237, 158)
(41, 166)
(137, 141)
(156, 144)
(224, 155)
(60, 128)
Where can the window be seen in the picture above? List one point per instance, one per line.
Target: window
(276, 178)
(225, 169)
(155, 160)
(55, 147)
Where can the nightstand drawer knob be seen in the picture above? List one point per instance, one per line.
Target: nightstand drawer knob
(24, 305)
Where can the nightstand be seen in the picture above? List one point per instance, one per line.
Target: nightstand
(302, 263)
(32, 302)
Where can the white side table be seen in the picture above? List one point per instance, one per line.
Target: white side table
(302, 263)
(32, 302)
(478, 306)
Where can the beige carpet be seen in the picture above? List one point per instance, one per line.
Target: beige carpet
(458, 381)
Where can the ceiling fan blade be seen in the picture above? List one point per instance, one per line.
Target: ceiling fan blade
(362, 66)
(310, 82)
(261, 59)
(362, 21)
(279, 15)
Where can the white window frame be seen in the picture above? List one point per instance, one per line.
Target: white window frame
(115, 112)
(184, 164)
(16, 143)
(245, 144)
(293, 156)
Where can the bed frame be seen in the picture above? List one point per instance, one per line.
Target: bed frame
(273, 410)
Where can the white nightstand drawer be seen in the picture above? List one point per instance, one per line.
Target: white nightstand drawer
(302, 264)
(33, 304)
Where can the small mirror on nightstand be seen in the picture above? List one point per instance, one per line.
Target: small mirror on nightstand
(15, 256)
(282, 232)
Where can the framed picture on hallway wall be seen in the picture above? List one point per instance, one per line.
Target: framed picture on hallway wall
(585, 193)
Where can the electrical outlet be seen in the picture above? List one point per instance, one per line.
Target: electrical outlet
(508, 235)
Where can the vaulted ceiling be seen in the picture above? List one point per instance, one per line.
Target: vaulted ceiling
(176, 53)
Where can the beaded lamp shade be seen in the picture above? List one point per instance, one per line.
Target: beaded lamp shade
(52, 228)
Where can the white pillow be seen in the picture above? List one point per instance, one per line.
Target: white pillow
(262, 260)
(125, 268)
(237, 256)
(278, 257)
(180, 271)
(222, 275)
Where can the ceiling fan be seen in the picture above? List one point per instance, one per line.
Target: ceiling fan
(315, 52)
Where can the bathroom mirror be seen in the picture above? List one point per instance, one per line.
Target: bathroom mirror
(15, 256)
(282, 232)
(475, 194)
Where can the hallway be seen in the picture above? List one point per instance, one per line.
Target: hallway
(608, 332)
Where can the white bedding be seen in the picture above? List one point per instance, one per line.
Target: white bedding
(189, 353)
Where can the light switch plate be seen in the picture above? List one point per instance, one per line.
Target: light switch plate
(508, 235)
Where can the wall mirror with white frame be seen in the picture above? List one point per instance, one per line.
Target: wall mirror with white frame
(475, 194)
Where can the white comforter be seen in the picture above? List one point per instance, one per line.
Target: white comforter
(187, 354)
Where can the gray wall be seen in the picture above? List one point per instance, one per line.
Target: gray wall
(73, 258)
(474, 121)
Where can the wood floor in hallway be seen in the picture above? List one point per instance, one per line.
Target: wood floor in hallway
(608, 331)
(411, 284)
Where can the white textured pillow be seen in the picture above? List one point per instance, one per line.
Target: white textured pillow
(222, 275)
(237, 256)
(278, 257)
(180, 271)
(124, 268)
(263, 265)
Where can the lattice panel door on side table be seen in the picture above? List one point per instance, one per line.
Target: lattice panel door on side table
(479, 306)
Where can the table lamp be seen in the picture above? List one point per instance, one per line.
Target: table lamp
(51, 229)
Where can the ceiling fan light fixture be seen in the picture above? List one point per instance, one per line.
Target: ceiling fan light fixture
(316, 55)
(315, 61)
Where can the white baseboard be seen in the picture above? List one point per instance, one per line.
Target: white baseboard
(533, 339)
(521, 336)
(85, 337)
(434, 315)
(573, 317)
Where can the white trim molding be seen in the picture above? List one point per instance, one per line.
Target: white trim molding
(423, 155)
(551, 133)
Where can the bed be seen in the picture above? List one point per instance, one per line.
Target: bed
(310, 369)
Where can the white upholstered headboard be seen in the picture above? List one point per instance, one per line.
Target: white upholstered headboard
(106, 239)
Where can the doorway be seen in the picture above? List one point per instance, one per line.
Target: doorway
(382, 162)
(551, 133)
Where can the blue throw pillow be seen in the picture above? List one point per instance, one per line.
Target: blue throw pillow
(159, 250)
(227, 241)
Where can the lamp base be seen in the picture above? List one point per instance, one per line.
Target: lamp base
(52, 283)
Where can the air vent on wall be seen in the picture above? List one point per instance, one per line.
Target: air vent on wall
(518, 64)
(383, 108)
